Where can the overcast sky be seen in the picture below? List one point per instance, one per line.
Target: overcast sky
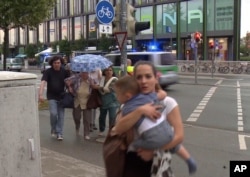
(245, 16)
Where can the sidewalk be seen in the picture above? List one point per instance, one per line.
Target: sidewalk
(55, 164)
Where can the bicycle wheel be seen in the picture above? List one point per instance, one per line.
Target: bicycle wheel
(183, 68)
(226, 69)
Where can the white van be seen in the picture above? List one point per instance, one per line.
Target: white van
(165, 63)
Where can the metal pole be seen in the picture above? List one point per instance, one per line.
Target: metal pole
(195, 57)
(123, 21)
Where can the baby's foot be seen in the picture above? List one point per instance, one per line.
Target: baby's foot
(192, 166)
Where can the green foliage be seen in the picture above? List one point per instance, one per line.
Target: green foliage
(105, 43)
(65, 47)
(31, 50)
(21, 13)
(245, 58)
(79, 44)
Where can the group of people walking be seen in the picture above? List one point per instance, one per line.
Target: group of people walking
(153, 116)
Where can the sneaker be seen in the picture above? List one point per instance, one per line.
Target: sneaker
(59, 137)
(87, 137)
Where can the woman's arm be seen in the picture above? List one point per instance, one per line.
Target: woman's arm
(126, 122)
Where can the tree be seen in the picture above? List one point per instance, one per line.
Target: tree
(31, 50)
(21, 13)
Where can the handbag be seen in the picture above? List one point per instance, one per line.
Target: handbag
(114, 152)
(94, 100)
(67, 100)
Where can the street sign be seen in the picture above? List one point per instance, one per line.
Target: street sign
(107, 29)
(105, 12)
(120, 37)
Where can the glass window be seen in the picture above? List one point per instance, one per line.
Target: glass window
(140, 2)
(169, 18)
(195, 15)
(1, 36)
(64, 8)
(41, 33)
(58, 8)
(183, 17)
(52, 31)
(32, 36)
(89, 5)
(210, 15)
(77, 28)
(146, 14)
(224, 14)
(22, 36)
(64, 29)
(159, 19)
(12, 36)
(92, 27)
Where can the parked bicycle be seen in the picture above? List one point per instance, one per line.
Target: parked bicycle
(223, 68)
(208, 68)
(248, 68)
(190, 68)
(237, 69)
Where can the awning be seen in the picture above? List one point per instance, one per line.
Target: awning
(21, 56)
(48, 50)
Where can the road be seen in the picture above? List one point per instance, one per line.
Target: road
(216, 119)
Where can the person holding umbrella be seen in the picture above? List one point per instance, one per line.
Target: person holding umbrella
(85, 64)
(79, 86)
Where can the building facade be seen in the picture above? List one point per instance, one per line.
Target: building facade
(172, 21)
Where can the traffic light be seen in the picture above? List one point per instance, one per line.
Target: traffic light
(133, 27)
(211, 44)
(116, 22)
(197, 36)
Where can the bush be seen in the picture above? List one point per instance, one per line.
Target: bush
(245, 58)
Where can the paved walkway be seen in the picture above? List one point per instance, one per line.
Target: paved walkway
(55, 164)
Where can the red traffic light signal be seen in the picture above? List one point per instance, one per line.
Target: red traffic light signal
(211, 45)
(197, 36)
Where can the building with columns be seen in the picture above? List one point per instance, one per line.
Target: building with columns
(172, 21)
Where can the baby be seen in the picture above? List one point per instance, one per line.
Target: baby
(152, 135)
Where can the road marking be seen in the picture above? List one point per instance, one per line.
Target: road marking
(219, 82)
(239, 109)
(201, 106)
(242, 141)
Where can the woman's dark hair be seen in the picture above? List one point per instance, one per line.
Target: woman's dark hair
(55, 58)
(103, 72)
(142, 62)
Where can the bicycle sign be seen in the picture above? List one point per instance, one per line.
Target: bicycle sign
(105, 12)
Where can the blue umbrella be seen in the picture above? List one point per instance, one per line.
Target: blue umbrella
(89, 63)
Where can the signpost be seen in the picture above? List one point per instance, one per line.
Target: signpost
(107, 29)
(120, 38)
(105, 12)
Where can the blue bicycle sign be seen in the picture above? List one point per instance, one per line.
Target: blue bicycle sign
(105, 12)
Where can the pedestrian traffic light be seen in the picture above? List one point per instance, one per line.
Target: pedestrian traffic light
(197, 37)
(133, 27)
(211, 44)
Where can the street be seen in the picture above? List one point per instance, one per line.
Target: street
(216, 119)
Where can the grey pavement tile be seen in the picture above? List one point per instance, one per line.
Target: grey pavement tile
(55, 164)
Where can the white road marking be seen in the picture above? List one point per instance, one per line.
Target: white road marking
(201, 106)
(239, 109)
(242, 141)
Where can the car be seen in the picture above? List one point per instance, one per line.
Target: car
(165, 63)
(13, 64)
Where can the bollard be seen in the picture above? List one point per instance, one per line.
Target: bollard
(19, 128)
